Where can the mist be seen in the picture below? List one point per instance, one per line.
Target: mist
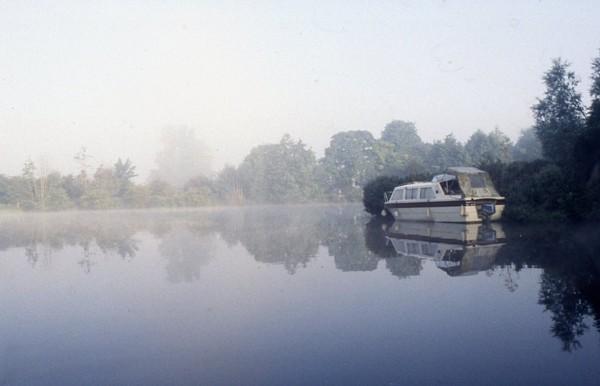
(309, 192)
(111, 77)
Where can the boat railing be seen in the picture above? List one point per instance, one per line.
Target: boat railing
(387, 195)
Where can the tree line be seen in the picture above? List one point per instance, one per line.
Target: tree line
(552, 171)
(284, 172)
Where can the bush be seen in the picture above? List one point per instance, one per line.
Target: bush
(373, 193)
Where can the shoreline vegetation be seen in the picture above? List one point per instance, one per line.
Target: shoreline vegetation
(552, 172)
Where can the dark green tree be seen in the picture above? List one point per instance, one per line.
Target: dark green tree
(528, 146)
(559, 115)
(587, 151)
(373, 193)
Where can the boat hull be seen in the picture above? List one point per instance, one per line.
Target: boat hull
(454, 211)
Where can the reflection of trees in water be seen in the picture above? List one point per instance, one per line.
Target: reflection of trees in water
(570, 281)
(568, 308)
(186, 253)
(279, 236)
(41, 235)
(404, 266)
(358, 245)
(290, 236)
(343, 233)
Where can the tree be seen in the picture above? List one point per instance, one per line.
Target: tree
(406, 151)
(484, 148)
(374, 190)
(5, 183)
(102, 191)
(161, 193)
(350, 161)
(229, 186)
(403, 136)
(448, 152)
(279, 173)
(183, 156)
(559, 115)
(199, 191)
(528, 146)
(56, 197)
(124, 172)
(587, 151)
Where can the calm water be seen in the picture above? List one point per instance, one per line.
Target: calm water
(294, 295)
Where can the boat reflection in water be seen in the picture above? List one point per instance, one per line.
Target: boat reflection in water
(457, 249)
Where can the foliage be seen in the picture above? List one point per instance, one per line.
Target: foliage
(350, 161)
(374, 190)
(488, 148)
(402, 149)
(279, 173)
(565, 184)
(528, 146)
(559, 115)
(448, 152)
(182, 157)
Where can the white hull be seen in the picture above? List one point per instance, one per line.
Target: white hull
(452, 213)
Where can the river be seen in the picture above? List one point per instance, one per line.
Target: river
(284, 295)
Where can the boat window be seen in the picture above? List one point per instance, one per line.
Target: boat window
(426, 194)
(412, 248)
(451, 187)
(397, 195)
(477, 181)
(412, 194)
(398, 245)
(428, 249)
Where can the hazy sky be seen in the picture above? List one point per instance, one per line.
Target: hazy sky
(110, 76)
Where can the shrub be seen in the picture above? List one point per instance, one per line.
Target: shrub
(373, 192)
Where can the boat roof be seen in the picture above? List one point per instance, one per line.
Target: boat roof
(465, 170)
(443, 178)
(416, 184)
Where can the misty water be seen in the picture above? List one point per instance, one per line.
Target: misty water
(291, 295)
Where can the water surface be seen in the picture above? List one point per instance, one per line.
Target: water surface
(293, 295)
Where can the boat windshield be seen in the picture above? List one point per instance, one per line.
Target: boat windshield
(451, 187)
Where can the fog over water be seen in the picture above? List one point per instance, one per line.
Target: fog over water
(294, 295)
(112, 76)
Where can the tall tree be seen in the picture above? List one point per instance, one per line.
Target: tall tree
(28, 175)
(183, 156)
(488, 148)
(449, 152)
(559, 115)
(402, 149)
(229, 186)
(124, 172)
(587, 151)
(350, 161)
(528, 146)
(279, 173)
(403, 135)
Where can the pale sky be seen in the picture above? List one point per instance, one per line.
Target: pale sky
(111, 75)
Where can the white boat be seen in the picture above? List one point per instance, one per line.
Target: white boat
(462, 194)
